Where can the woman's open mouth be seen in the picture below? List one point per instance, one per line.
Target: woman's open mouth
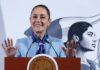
(94, 45)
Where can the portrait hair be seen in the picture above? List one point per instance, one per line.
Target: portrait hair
(78, 29)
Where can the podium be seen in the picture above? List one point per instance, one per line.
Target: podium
(13, 63)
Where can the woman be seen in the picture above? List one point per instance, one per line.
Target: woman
(82, 35)
(39, 42)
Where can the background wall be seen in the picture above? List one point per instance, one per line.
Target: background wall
(15, 14)
(2, 36)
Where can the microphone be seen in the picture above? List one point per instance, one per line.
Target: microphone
(45, 39)
(34, 39)
(52, 47)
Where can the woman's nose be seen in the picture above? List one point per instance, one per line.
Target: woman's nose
(95, 39)
(38, 19)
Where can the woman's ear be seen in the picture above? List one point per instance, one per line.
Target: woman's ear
(49, 22)
(75, 38)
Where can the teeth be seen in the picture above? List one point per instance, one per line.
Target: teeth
(38, 25)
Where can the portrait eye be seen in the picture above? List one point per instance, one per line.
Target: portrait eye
(90, 33)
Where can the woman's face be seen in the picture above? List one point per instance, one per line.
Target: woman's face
(88, 41)
(39, 20)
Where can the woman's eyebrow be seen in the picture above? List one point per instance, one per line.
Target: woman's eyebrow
(90, 32)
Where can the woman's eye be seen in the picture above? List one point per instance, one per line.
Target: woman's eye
(34, 16)
(42, 17)
(90, 33)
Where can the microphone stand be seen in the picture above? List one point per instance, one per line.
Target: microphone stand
(29, 48)
(52, 47)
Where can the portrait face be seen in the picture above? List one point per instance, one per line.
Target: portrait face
(88, 41)
(39, 20)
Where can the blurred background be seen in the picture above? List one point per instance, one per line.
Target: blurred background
(14, 18)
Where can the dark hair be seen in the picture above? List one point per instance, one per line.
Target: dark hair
(44, 6)
(78, 29)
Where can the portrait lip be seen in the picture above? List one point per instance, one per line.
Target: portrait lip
(94, 45)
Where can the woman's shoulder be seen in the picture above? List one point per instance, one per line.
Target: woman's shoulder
(93, 64)
(52, 38)
(24, 39)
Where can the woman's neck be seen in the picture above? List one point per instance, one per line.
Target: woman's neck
(81, 54)
(40, 35)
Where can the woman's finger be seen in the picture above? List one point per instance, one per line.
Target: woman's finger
(5, 42)
(4, 47)
(8, 42)
(11, 42)
(65, 50)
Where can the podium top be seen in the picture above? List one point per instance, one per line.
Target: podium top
(13, 63)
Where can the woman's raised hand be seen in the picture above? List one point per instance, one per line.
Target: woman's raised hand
(71, 48)
(8, 48)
